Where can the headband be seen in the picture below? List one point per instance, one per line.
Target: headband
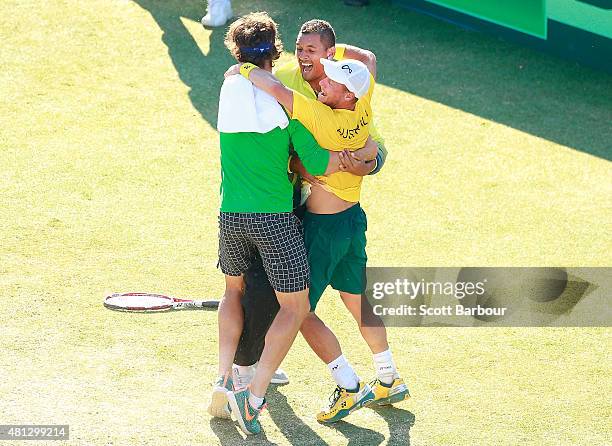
(257, 50)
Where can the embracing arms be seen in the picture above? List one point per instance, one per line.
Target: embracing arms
(266, 81)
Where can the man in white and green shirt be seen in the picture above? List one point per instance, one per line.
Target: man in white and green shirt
(256, 215)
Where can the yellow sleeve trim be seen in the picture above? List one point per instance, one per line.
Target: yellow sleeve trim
(339, 54)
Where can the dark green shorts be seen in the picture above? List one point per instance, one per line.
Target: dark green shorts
(336, 251)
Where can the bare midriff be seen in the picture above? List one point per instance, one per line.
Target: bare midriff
(322, 201)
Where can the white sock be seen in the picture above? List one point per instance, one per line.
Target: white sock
(255, 401)
(343, 373)
(242, 375)
(385, 367)
(244, 370)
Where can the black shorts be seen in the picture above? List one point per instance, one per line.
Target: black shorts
(278, 239)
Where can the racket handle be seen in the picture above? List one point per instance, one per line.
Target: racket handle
(196, 304)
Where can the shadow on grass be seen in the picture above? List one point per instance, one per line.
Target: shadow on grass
(297, 432)
(357, 436)
(515, 86)
(228, 433)
(203, 74)
(400, 422)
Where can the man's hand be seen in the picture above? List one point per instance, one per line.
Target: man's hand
(365, 56)
(233, 70)
(296, 166)
(349, 163)
(367, 152)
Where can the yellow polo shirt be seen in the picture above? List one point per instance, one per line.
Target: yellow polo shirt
(334, 130)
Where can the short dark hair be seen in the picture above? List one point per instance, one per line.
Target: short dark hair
(323, 29)
(254, 38)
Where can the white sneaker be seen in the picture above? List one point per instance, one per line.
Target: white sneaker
(218, 13)
(243, 380)
(280, 377)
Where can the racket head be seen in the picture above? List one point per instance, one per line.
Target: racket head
(138, 302)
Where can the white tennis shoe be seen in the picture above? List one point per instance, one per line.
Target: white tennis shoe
(280, 377)
(218, 13)
(242, 380)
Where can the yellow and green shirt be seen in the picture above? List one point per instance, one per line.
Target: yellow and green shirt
(334, 129)
(254, 167)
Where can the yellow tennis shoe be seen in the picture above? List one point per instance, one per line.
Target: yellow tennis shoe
(389, 394)
(343, 402)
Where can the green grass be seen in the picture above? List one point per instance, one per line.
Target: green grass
(109, 181)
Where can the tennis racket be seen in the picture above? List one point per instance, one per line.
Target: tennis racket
(147, 302)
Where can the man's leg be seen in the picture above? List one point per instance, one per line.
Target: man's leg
(235, 255)
(280, 337)
(375, 333)
(350, 279)
(247, 404)
(320, 338)
(327, 238)
(324, 343)
(230, 326)
(388, 387)
(351, 393)
(278, 238)
(260, 306)
(230, 319)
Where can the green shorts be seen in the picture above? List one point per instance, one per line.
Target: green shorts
(336, 251)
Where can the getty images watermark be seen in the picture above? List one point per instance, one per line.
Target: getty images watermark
(467, 297)
(45, 432)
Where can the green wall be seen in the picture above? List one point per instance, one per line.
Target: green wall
(527, 16)
(583, 15)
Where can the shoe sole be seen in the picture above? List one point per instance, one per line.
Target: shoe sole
(397, 398)
(237, 414)
(346, 412)
(218, 405)
(279, 381)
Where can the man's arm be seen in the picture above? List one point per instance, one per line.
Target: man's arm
(361, 168)
(267, 82)
(345, 161)
(313, 157)
(381, 157)
(333, 166)
(367, 152)
(365, 56)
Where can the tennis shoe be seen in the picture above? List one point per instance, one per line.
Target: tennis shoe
(385, 394)
(218, 13)
(218, 406)
(242, 380)
(280, 377)
(246, 415)
(343, 402)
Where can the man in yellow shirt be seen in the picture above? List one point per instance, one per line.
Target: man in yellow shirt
(340, 118)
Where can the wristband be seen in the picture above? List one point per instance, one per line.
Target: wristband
(246, 68)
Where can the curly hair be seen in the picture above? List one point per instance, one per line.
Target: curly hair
(323, 29)
(254, 38)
